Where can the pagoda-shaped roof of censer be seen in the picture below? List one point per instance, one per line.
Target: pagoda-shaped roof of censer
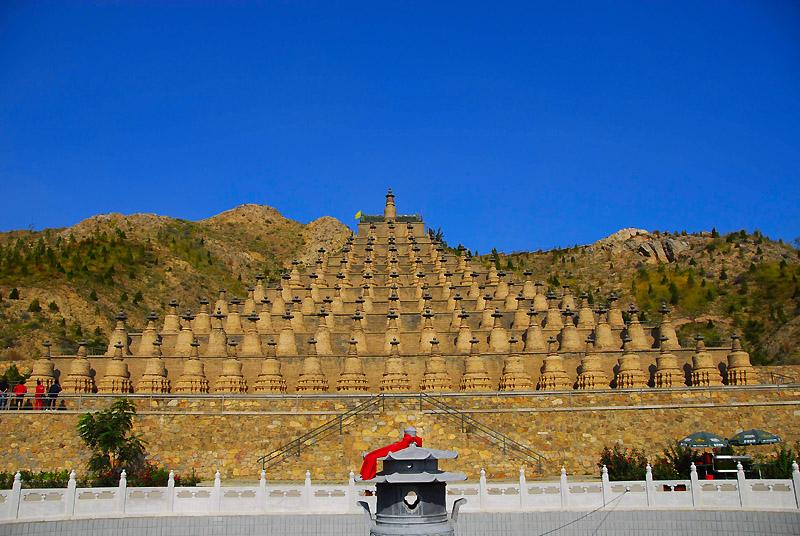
(415, 464)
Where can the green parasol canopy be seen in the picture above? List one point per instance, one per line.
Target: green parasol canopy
(700, 440)
(754, 437)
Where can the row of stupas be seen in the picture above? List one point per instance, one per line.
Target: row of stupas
(629, 373)
(392, 291)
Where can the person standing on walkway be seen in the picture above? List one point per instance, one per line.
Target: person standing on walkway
(38, 396)
(3, 395)
(52, 395)
(19, 394)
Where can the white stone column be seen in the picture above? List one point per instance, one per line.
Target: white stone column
(796, 482)
(216, 503)
(308, 494)
(72, 490)
(482, 491)
(122, 490)
(606, 485)
(16, 496)
(171, 492)
(564, 489)
(695, 486)
(352, 496)
(648, 486)
(523, 489)
(742, 486)
(261, 494)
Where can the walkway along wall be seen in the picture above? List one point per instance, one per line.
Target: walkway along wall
(229, 433)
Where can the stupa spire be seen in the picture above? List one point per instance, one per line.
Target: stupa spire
(193, 379)
(740, 370)
(231, 380)
(667, 372)
(436, 377)
(312, 378)
(554, 377)
(630, 374)
(592, 375)
(475, 377)
(389, 211)
(154, 379)
(270, 379)
(514, 376)
(352, 378)
(395, 377)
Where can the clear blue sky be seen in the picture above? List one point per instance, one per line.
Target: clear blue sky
(510, 125)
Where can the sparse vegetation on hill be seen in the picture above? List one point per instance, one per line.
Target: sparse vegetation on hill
(741, 282)
(66, 284)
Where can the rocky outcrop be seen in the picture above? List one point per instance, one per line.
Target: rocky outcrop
(648, 245)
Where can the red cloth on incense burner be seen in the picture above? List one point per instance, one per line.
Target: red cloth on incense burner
(370, 466)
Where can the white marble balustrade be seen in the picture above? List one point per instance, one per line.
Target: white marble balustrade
(309, 498)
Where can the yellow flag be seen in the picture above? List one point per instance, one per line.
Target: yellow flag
(358, 215)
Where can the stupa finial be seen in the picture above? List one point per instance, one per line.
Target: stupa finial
(389, 212)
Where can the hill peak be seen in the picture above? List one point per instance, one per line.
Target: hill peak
(248, 213)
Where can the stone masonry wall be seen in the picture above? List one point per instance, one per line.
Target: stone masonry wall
(569, 428)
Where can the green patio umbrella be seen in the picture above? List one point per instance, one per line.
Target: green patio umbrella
(754, 437)
(700, 440)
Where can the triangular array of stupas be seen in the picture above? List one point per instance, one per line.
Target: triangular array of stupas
(392, 291)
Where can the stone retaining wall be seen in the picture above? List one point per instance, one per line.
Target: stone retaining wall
(570, 428)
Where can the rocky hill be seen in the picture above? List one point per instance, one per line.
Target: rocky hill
(716, 285)
(66, 284)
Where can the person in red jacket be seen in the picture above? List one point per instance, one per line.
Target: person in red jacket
(38, 396)
(19, 394)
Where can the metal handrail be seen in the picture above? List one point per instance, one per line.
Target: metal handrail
(506, 443)
(509, 445)
(782, 378)
(296, 445)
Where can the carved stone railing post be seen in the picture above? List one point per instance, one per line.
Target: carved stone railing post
(122, 490)
(564, 489)
(482, 499)
(695, 486)
(742, 486)
(16, 495)
(648, 485)
(70, 496)
(351, 493)
(606, 485)
(261, 493)
(171, 492)
(216, 503)
(796, 482)
(308, 493)
(523, 489)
